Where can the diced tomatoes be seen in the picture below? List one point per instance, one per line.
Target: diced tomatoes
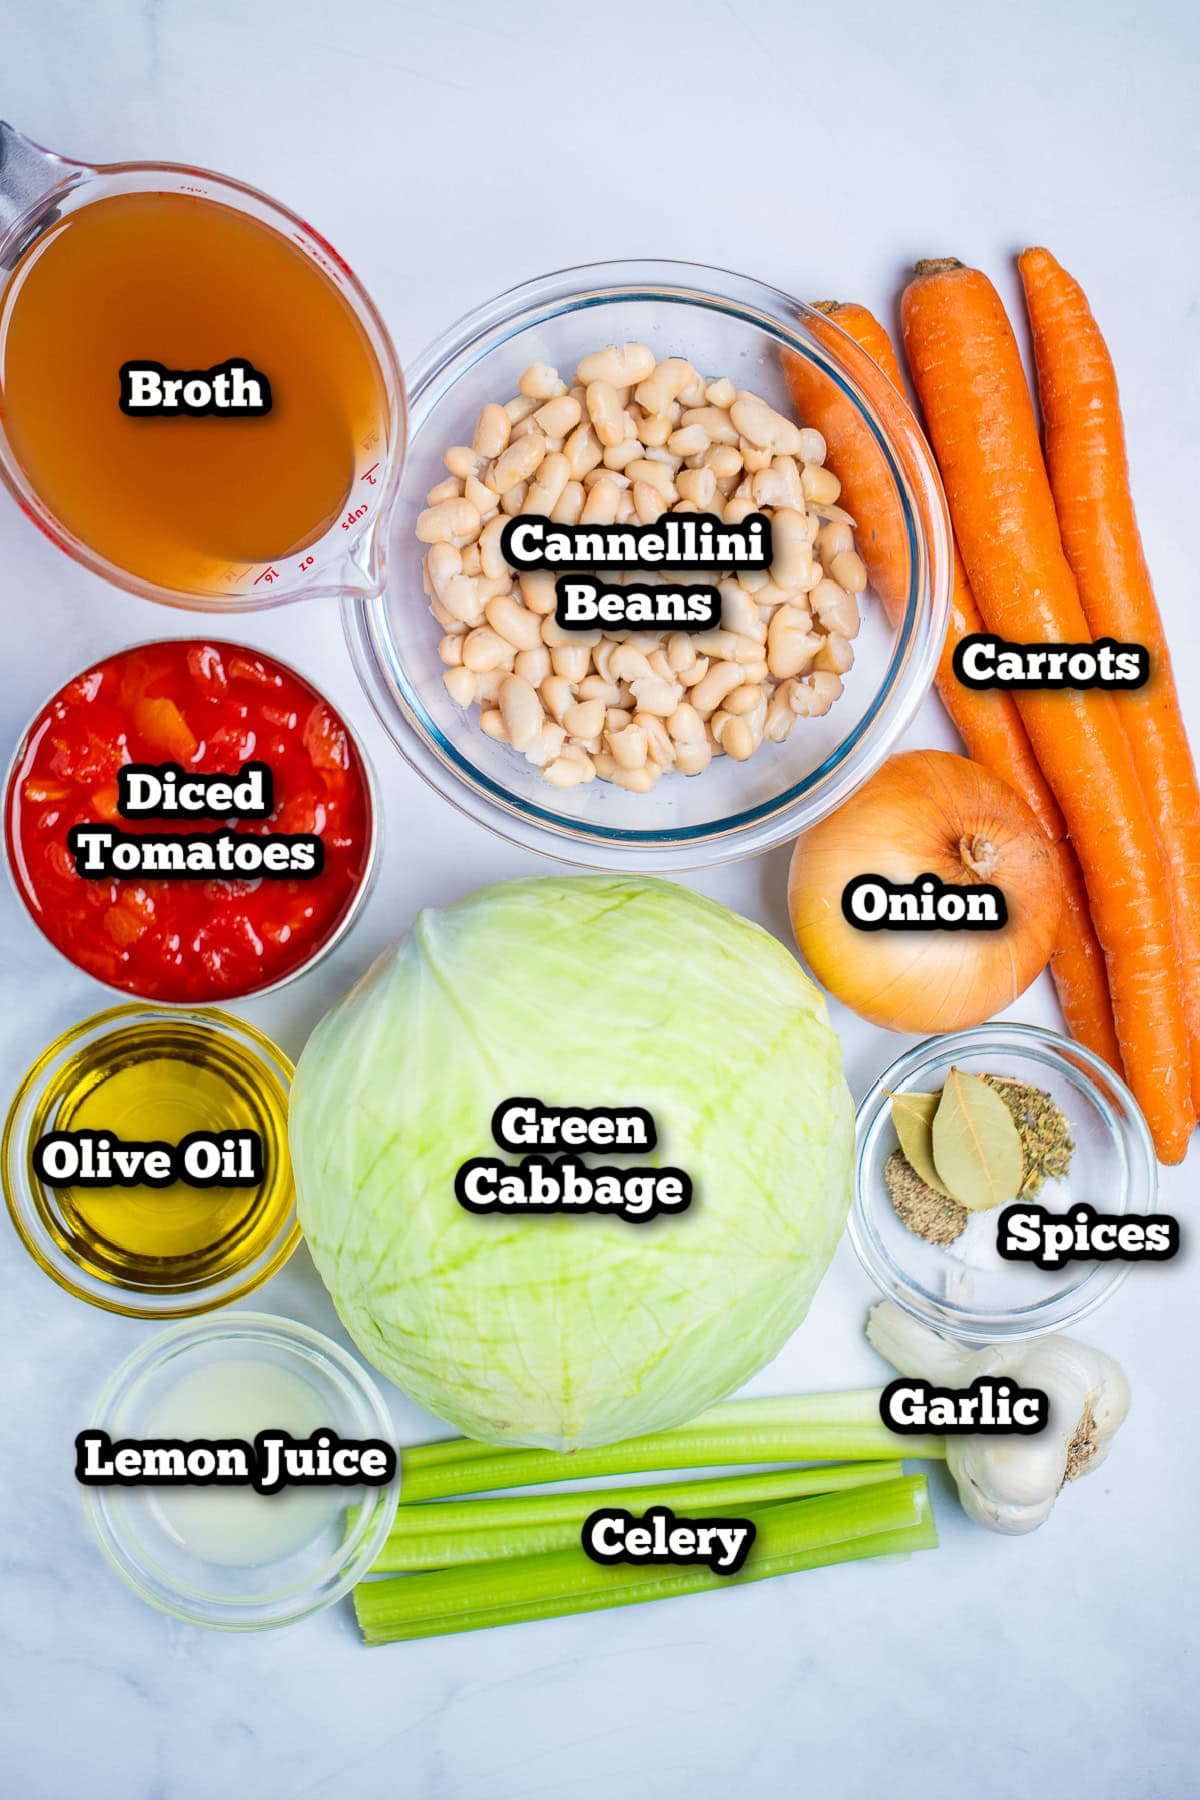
(207, 670)
(164, 731)
(325, 739)
(211, 708)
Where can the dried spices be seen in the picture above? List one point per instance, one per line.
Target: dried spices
(960, 1154)
(912, 1115)
(976, 1146)
(932, 1216)
(1046, 1142)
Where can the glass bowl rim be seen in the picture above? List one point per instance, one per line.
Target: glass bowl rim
(1090, 1072)
(358, 1549)
(912, 661)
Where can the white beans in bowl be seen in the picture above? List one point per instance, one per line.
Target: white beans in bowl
(631, 440)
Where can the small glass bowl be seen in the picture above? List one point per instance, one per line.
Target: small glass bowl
(1113, 1167)
(727, 325)
(255, 1067)
(348, 1531)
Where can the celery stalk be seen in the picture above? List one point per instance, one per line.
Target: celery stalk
(444, 1533)
(887, 1518)
(691, 1447)
(857, 1406)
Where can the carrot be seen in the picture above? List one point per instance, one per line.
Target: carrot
(968, 374)
(1089, 476)
(991, 729)
(868, 487)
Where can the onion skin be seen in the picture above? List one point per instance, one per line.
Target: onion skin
(927, 812)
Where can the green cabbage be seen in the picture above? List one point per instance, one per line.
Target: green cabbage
(588, 991)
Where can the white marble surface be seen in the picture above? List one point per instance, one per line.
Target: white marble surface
(449, 152)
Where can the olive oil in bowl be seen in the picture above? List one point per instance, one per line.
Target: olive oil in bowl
(117, 1086)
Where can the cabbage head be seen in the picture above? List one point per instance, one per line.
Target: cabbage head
(592, 991)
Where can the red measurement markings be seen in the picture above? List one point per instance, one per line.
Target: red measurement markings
(369, 475)
(268, 575)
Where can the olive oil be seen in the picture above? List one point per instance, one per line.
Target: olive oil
(156, 1078)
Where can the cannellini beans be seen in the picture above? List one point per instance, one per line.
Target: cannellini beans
(571, 661)
(628, 439)
(484, 649)
(522, 713)
(517, 626)
(835, 656)
(570, 504)
(460, 685)
(491, 433)
(762, 426)
(561, 415)
(648, 502)
(693, 759)
(449, 522)
(715, 423)
(821, 486)
(606, 413)
(583, 718)
(621, 365)
(517, 463)
(813, 697)
(541, 382)
(627, 746)
(721, 679)
(638, 781)
(557, 695)
(849, 570)
(602, 503)
(462, 460)
(538, 591)
(835, 608)
(667, 381)
(697, 485)
(552, 476)
(655, 429)
(654, 695)
(533, 666)
(832, 538)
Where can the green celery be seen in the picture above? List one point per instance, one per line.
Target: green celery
(886, 1519)
(442, 1533)
(691, 1447)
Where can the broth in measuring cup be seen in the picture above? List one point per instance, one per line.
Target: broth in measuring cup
(183, 502)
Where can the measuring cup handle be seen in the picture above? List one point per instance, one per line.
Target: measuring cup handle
(26, 170)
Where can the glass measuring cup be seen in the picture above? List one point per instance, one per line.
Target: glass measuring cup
(39, 188)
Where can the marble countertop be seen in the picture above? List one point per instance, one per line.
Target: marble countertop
(449, 152)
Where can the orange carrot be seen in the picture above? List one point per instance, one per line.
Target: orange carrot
(991, 729)
(868, 486)
(1089, 475)
(968, 375)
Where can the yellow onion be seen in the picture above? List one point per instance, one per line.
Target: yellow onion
(927, 812)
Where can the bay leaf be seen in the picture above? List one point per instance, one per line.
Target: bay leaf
(976, 1145)
(912, 1115)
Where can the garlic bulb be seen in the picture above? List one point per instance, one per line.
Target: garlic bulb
(1010, 1484)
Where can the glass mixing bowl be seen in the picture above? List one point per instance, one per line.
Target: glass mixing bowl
(730, 326)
